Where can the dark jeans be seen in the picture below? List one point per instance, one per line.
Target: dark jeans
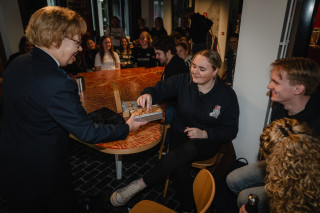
(62, 202)
(183, 151)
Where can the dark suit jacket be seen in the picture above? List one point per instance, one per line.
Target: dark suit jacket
(41, 106)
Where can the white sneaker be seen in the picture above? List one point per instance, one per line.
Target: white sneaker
(123, 195)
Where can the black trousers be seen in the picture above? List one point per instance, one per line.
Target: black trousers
(183, 151)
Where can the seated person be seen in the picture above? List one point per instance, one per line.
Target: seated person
(125, 54)
(25, 46)
(207, 116)
(158, 30)
(106, 58)
(75, 67)
(183, 52)
(293, 167)
(90, 54)
(176, 37)
(144, 55)
(183, 30)
(166, 53)
(292, 85)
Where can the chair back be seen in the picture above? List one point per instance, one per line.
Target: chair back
(203, 190)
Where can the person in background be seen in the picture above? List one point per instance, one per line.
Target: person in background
(292, 87)
(183, 52)
(77, 65)
(90, 54)
(141, 27)
(41, 108)
(25, 46)
(158, 30)
(143, 55)
(165, 51)
(293, 167)
(206, 116)
(199, 29)
(176, 37)
(125, 54)
(231, 58)
(115, 31)
(183, 29)
(106, 58)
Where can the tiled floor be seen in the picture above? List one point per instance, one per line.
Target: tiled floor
(94, 178)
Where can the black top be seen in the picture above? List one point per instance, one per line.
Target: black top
(310, 115)
(200, 26)
(231, 61)
(175, 66)
(143, 57)
(41, 106)
(156, 34)
(89, 57)
(217, 112)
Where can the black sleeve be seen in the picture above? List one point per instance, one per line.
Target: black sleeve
(164, 89)
(66, 109)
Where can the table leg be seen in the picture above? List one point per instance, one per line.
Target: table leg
(118, 159)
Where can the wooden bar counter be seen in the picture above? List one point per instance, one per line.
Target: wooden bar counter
(99, 93)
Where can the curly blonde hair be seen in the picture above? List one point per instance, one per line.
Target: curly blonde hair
(293, 166)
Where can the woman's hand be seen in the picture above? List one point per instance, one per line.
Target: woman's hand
(145, 101)
(196, 133)
(133, 124)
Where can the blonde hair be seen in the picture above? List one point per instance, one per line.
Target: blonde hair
(148, 36)
(293, 167)
(212, 56)
(52, 24)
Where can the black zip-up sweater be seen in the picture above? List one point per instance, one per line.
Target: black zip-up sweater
(217, 112)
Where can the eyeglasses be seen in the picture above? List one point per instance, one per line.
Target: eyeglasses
(77, 42)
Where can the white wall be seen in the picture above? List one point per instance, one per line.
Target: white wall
(260, 32)
(10, 25)
(167, 15)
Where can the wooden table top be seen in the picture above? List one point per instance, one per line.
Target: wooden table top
(98, 93)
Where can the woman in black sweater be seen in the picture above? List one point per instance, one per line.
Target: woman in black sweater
(206, 116)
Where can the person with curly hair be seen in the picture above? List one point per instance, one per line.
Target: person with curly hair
(293, 167)
(106, 58)
(293, 84)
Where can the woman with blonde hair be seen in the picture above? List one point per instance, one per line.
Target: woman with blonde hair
(293, 167)
(144, 55)
(206, 116)
(106, 58)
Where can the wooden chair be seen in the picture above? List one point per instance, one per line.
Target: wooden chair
(203, 193)
(197, 164)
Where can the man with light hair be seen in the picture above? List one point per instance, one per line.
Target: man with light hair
(293, 84)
